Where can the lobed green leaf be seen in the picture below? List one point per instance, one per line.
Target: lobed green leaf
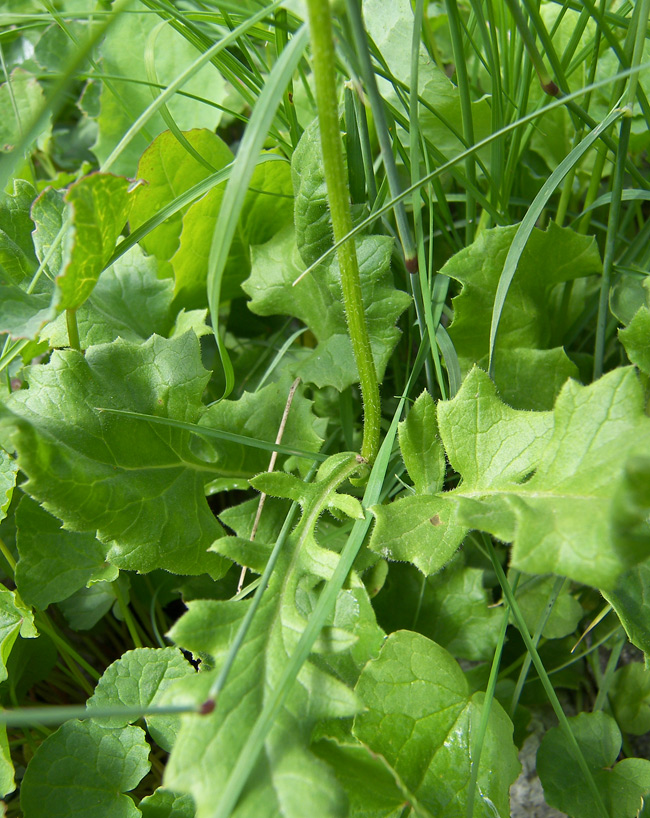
(421, 719)
(529, 373)
(53, 563)
(137, 485)
(622, 785)
(138, 679)
(89, 768)
(554, 484)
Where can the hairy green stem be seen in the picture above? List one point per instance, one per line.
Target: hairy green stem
(339, 202)
(73, 329)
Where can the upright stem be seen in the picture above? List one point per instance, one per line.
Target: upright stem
(339, 203)
(73, 329)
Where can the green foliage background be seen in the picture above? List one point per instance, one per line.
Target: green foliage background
(211, 604)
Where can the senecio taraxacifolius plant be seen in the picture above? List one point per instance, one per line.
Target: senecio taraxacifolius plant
(324, 436)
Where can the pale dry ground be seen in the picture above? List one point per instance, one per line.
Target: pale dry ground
(526, 794)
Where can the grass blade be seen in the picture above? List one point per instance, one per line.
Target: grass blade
(546, 682)
(190, 71)
(529, 220)
(217, 434)
(440, 170)
(240, 177)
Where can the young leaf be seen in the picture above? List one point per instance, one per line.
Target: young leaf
(74, 237)
(621, 785)
(138, 485)
(166, 804)
(427, 529)
(422, 451)
(83, 610)
(15, 619)
(289, 781)
(52, 235)
(317, 299)
(137, 679)
(54, 563)
(56, 48)
(372, 787)
(167, 170)
(630, 598)
(532, 378)
(208, 627)
(636, 340)
(421, 719)
(8, 469)
(23, 313)
(452, 608)
(630, 698)
(390, 25)
(88, 767)
(555, 484)
(423, 529)
(31, 661)
(20, 105)
(526, 318)
(532, 596)
(17, 257)
(98, 206)
(241, 518)
(7, 780)
(627, 297)
(314, 234)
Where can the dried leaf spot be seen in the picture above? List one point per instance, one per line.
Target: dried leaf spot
(435, 520)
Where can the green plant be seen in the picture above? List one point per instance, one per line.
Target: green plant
(324, 407)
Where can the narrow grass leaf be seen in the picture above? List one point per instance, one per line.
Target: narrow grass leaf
(240, 177)
(528, 223)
